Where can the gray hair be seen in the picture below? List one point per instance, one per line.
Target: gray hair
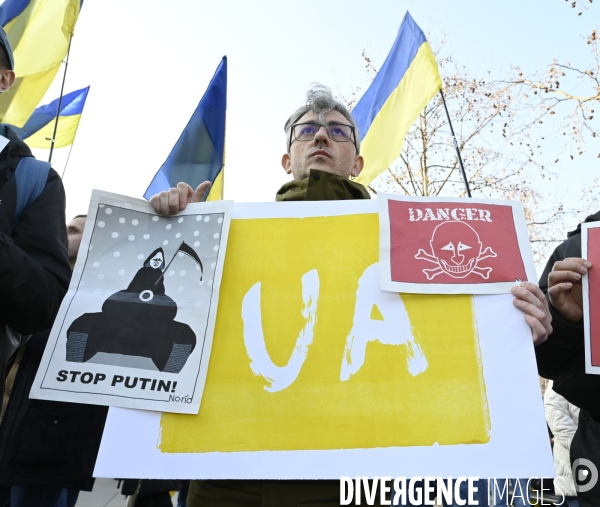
(320, 101)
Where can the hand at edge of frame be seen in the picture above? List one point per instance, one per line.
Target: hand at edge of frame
(565, 289)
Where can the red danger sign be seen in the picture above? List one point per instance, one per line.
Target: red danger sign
(445, 243)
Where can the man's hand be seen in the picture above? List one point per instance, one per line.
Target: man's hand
(532, 302)
(564, 287)
(171, 202)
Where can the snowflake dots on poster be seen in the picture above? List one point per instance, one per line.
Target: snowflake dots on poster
(117, 267)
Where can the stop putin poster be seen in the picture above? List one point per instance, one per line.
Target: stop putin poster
(453, 246)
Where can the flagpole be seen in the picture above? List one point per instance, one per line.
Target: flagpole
(462, 167)
(62, 88)
(62, 176)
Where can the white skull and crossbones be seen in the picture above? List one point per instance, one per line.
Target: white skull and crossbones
(457, 250)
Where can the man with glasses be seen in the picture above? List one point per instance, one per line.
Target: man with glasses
(322, 155)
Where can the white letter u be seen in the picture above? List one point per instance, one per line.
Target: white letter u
(279, 377)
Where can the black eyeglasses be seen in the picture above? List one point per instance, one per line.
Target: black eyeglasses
(338, 132)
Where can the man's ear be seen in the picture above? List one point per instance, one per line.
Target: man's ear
(359, 163)
(7, 79)
(286, 163)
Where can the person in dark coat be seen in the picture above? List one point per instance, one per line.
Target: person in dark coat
(34, 266)
(46, 446)
(562, 356)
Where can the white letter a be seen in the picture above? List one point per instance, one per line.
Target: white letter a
(394, 330)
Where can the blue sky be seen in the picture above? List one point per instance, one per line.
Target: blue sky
(148, 63)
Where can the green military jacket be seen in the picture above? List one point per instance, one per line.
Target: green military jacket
(321, 186)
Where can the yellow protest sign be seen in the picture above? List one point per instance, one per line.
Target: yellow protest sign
(308, 354)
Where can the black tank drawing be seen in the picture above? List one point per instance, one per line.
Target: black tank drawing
(138, 321)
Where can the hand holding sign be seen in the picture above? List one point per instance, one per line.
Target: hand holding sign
(171, 202)
(564, 287)
(532, 302)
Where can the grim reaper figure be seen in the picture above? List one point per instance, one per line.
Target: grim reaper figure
(136, 327)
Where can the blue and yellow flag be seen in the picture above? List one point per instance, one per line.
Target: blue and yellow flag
(39, 32)
(199, 154)
(38, 130)
(407, 81)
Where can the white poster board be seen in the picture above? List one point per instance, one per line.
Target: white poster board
(136, 326)
(396, 413)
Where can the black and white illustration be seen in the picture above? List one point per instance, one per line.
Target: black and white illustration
(136, 326)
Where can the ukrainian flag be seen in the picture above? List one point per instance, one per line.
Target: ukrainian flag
(38, 130)
(39, 32)
(199, 154)
(407, 81)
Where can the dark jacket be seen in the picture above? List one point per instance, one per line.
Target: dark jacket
(34, 262)
(562, 358)
(319, 186)
(47, 442)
